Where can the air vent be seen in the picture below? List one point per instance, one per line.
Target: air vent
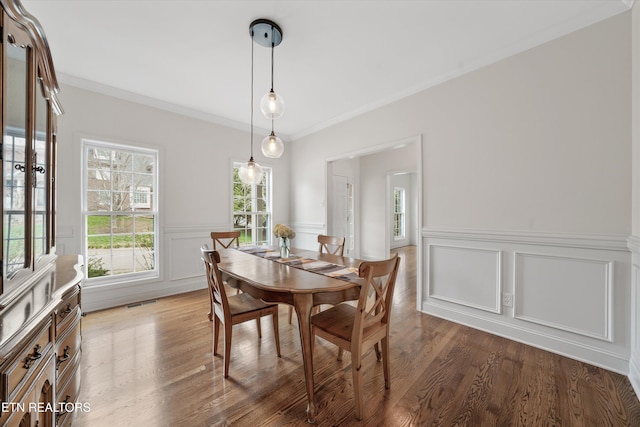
(140, 304)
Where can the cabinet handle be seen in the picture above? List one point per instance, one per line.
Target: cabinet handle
(66, 311)
(28, 362)
(61, 412)
(65, 356)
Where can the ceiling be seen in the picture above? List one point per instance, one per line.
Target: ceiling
(337, 59)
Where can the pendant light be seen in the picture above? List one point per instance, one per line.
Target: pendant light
(251, 172)
(272, 146)
(268, 34)
(272, 105)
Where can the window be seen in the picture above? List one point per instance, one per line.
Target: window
(120, 210)
(398, 213)
(141, 198)
(252, 208)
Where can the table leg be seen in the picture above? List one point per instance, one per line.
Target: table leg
(303, 304)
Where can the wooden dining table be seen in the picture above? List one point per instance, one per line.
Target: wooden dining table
(278, 282)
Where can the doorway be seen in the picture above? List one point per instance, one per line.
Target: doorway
(359, 195)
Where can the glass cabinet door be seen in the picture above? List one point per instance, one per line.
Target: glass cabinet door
(40, 172)
(14, 163)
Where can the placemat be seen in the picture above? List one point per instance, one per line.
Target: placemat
(313, 265)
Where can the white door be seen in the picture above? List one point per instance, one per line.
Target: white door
(339, 218)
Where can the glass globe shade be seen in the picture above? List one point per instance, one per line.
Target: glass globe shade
(272, 146)
(272, 105)
(250, 172)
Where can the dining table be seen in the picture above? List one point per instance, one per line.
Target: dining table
(279, 280)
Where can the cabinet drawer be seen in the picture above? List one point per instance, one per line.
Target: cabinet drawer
(64, 313)
(27, 363)
(67, 348)
(37, 403)
(68, 395)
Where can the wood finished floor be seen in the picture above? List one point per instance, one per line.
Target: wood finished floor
(152, 365)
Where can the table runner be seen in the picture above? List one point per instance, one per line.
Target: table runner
(313, 265)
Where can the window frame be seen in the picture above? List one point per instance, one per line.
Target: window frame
(399, 215)
(254, 212)
(153, 211)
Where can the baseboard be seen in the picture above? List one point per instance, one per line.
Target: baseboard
(100, 298)
(634, 373)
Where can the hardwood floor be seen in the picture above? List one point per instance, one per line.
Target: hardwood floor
(152, 365)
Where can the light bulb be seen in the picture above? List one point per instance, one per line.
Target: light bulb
(272, 146)
(250, 173)
(272, 105)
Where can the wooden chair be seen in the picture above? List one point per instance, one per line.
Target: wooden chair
(331, 244)
(328, 244)
(225, 239)
(234, 309)
(355, 329)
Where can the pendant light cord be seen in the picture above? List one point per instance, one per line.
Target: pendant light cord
(273, 48)
(251, 142)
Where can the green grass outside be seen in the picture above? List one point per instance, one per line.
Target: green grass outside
(100, 237)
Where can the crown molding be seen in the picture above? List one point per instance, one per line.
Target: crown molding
(136, 98)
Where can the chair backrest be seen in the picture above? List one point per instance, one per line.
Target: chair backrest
(225, 239)
(211, 258)
(379, 281)
(331, 244)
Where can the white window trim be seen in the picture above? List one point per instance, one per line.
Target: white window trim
(403, 212)
(238, 163)
(128, 278)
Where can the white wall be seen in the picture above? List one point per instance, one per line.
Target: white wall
(526, 166)
(195, 189)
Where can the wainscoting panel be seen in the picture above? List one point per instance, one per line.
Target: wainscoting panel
(307, 235)
(634, 362)
(547, 288)
(568, 294)
(466, 276)
(183, 254)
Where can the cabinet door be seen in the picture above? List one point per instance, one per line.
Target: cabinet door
(40, 178)
(15, 161)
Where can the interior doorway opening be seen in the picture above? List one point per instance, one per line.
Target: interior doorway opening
(360, 199)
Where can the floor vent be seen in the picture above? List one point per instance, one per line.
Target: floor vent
(140, 304)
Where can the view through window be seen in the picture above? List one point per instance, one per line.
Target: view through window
(398, 213)
(120, 210)
(252, 208)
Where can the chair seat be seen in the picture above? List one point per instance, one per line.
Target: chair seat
(245, 303)
(338, 320)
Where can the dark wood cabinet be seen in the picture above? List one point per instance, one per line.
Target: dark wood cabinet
(29, 111)
(40, 311)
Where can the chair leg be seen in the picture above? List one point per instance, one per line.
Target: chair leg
(228, 327)
(385, 362)
(376, 347)
(258, 326)
(290, 313)
(211, 313)
(340, 352)
(356, 370)
(216, 333)
(276, 331)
